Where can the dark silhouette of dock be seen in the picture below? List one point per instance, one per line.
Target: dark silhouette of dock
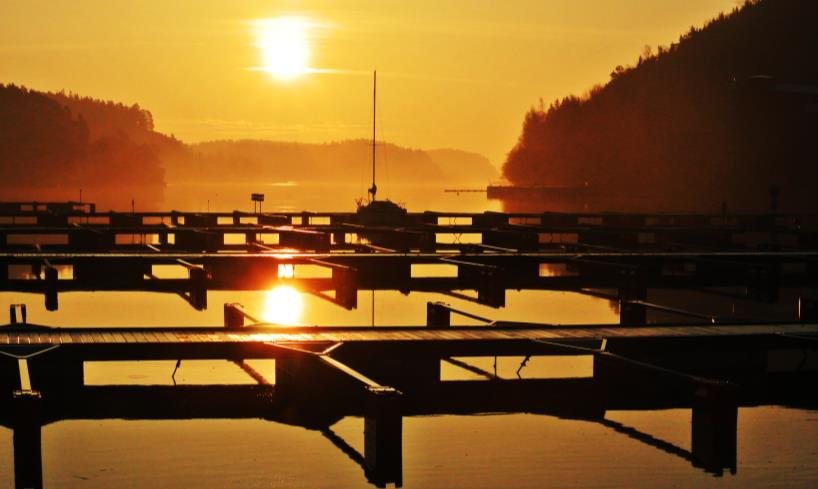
(710, 364)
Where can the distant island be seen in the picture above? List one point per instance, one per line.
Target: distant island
(728, 115)
(53, 144)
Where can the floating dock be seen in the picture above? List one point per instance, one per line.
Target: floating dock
(710, 364)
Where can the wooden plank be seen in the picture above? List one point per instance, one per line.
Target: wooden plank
(65, 338)
(180, 336)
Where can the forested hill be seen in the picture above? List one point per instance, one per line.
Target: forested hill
(54, 144)
(722, 115)
(47, 141)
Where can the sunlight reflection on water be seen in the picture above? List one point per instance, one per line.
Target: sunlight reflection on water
(282, 305)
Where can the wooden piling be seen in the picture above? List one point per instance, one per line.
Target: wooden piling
(632, 312)
(13, 308)
(198, 287)
(50, 289)
(438, 315)
(27, 440)
(764, 284)
(345, 281)
(492, 294)
(714, 426)
(233, 316)
(807, 309)
(383, 436)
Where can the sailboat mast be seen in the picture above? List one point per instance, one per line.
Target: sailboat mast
(374, 188)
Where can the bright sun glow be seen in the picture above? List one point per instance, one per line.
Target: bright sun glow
(282, 305)
(285, 53)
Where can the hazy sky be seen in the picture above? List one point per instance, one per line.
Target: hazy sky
(452, 73)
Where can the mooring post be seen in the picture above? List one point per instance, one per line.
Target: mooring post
(28, 462)
(630, 312)
(383, 436)
(714, 426)
(765, 285)
(807, 309)
(438, 315)
(51, 300)
(13, 308)
(493, 293)
(233, 316)
(345, 281)
(198, 287)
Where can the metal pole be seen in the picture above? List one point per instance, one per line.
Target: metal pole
(374, 123)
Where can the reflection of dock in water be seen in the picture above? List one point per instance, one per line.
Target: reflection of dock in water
(712, 365)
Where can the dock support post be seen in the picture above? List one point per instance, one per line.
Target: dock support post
(28, 461)
(493, 294)
(766, 284)
(383, 436)
(198, 288)
(345, 281)
(629, 312)
(807, 309)
(233, 317)
(51, 298)
(438, 315)
(13, 308)
(714, 426)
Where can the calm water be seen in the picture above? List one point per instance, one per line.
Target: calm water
(777, 446)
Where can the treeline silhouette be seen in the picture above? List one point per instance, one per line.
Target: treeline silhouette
(725, 115)
(54, 144)
(51, 145)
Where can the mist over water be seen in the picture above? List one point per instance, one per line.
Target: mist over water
(341, 197)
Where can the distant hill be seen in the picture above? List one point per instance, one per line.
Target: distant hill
(344, 161)
(463, 166)
(54, 144)
(729, 113)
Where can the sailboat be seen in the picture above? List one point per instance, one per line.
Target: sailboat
(378, 212)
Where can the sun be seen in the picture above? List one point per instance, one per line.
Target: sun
(285, 52)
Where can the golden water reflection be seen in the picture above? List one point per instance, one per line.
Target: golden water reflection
(283, 305)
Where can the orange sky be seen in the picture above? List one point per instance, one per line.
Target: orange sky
(452, 73)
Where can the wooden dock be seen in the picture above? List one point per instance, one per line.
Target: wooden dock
(434, 338)
(709, 364)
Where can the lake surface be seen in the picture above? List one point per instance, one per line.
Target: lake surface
(777, 445)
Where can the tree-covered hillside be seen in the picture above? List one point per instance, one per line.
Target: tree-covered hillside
(723, 115)
(51, 148)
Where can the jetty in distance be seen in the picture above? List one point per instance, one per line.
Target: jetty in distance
(707, 363)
